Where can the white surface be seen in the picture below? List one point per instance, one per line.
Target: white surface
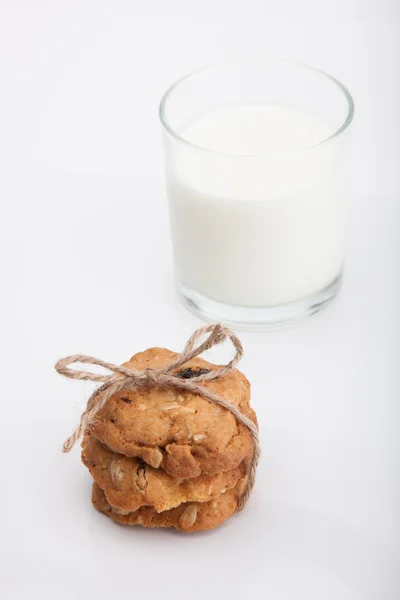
(257, 232)
(86, 268)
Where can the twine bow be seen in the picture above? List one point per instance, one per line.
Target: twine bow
(128, 378)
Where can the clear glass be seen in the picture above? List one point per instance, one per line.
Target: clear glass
(255, 158)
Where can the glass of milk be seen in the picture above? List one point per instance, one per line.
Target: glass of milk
(255, 159)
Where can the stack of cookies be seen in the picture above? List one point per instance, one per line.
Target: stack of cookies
(168, 458)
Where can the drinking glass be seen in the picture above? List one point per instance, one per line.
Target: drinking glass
(255, 158)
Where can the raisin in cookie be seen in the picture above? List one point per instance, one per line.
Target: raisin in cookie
(189, 517)
(174, 429)
(130, 483)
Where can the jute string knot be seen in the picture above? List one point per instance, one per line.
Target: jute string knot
(167, 377)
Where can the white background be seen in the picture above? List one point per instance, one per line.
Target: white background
(86, 267)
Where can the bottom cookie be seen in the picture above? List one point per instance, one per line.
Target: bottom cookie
(189, 516)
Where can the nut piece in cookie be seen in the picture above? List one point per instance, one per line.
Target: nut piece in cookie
(176, 430)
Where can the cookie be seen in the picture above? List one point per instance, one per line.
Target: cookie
(189, 517)
(176, 430)
(130, 483)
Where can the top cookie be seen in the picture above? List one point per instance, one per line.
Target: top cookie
(179, 431)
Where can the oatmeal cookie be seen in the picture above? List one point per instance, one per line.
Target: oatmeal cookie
(176, 430)
(130, 483)
(189, 517)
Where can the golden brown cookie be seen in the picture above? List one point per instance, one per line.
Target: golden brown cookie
(130, 483)
(181, 432)
(189, 517)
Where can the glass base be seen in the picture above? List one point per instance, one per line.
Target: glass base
(258, 318)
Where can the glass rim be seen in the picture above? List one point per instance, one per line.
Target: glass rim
(338, 131)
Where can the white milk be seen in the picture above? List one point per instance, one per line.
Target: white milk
(262, 229)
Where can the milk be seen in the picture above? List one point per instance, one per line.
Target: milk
(258, 221)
